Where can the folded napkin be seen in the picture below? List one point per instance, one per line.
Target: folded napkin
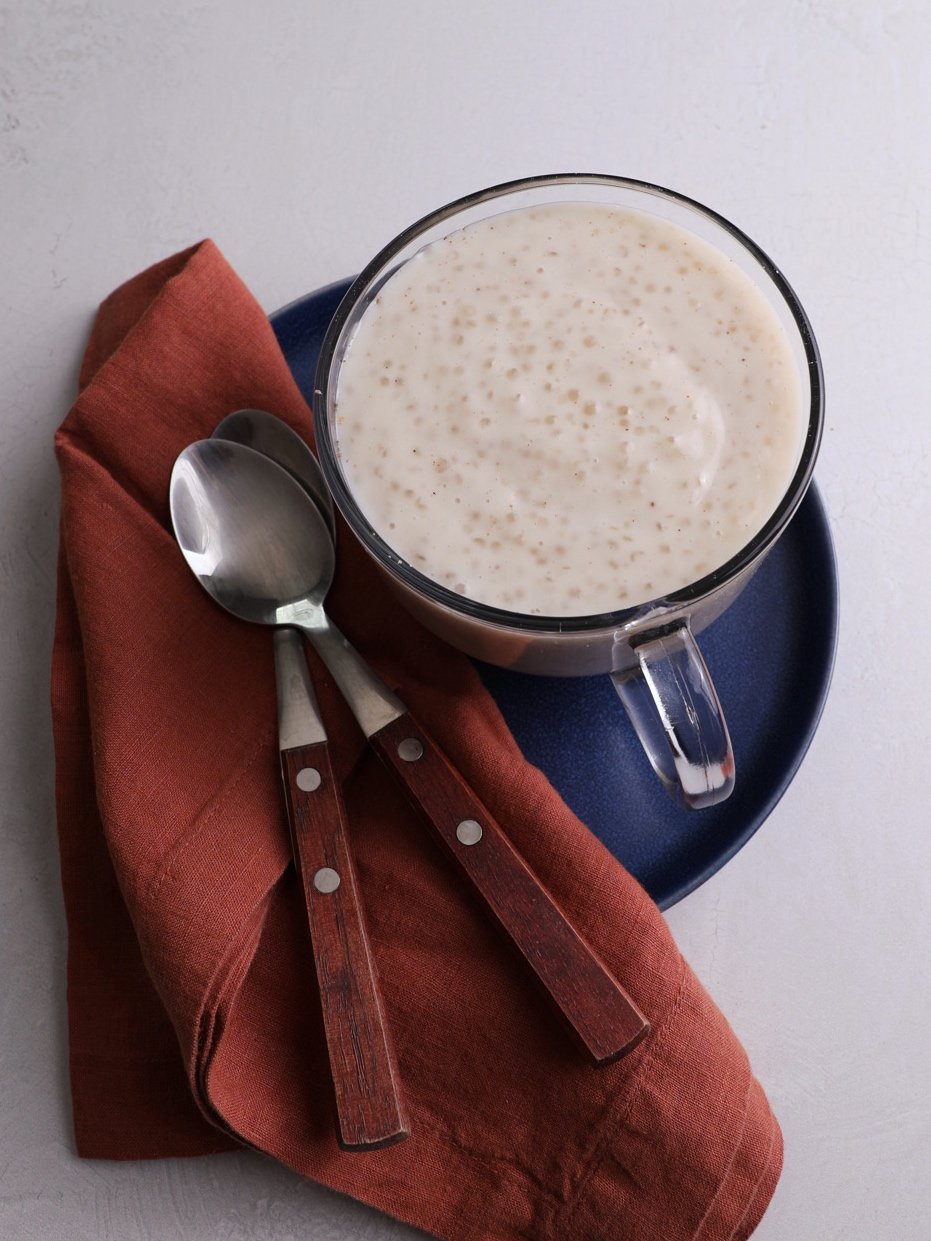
(193, 1007)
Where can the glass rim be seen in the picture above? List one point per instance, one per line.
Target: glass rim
(507, 619)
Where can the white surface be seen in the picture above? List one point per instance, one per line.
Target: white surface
(301, 135)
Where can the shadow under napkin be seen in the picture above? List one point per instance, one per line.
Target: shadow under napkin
(194, 1020)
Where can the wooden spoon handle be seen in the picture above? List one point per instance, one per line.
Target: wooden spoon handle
(598, 1010)
(368, 1105)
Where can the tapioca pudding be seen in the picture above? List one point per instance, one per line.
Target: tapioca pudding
(569, 409)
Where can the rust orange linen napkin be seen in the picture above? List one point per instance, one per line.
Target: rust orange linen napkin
(193, 1006)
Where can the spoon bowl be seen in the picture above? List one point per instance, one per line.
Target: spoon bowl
(273, 438)
(253, 538)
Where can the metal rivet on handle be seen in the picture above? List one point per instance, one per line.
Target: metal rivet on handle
(308, 779)
(469, 832)
(326, 879)
(410, 750)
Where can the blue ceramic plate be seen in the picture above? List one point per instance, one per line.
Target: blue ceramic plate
(771, 657)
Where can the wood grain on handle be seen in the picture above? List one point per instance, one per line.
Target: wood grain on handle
(599, 1011)
(368, 1105)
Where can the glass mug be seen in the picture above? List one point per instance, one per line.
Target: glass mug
(648, 650)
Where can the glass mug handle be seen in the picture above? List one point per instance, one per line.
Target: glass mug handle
(674, 708)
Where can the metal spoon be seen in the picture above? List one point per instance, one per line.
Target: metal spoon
(271, 436)
(259, 546)
(370, 1114)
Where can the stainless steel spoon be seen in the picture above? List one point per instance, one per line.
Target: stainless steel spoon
(260, 547)
(369, 1110)
(265, 433)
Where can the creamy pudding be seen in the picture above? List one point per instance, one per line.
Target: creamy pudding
(568, 409)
